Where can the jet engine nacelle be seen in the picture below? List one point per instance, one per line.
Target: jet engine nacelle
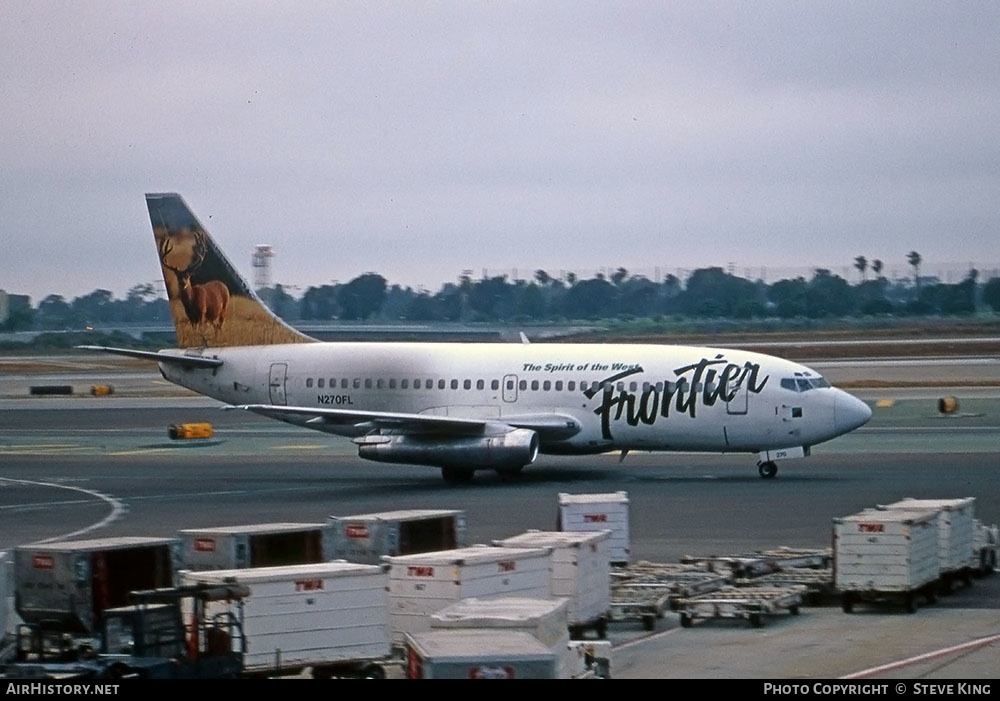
(510, 450)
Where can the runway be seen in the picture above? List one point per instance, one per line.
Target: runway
(104, 466)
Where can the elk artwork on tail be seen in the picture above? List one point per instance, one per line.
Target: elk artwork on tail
(203, 303)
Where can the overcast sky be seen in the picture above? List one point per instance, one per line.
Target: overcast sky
(420, 139)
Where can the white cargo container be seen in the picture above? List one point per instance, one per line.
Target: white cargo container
(368, 537)
(599, 512)
(330, 616)
(478, 654)
(423, 584)
(955, 532)
(581, 572)
(547, 620)
(886, 553)
(257, 545)
(65, 587)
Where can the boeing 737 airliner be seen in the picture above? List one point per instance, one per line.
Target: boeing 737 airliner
(464, 407)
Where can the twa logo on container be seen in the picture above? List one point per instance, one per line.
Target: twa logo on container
(507, 566)
(308, 584)
(419, 571)
(43, 562)
(204, 545)
(871, 527)
(356, 531)
(595, 518)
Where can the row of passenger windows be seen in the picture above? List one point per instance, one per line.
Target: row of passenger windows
(522, 385)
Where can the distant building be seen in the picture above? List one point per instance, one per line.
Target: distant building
(11, 304)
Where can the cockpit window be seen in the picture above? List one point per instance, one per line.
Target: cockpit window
(802, 384)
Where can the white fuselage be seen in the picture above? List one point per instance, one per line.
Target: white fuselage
(624, 397)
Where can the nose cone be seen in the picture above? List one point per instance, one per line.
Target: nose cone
(849, 412)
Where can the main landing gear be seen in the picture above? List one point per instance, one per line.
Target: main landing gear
(767, 469)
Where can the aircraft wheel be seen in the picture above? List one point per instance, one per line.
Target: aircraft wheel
(456, 475)
(767, 469)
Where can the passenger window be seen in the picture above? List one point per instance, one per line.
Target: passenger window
(357, 383)
(632, 387)
(546, 386)
(404, 384)
(522, 385)
(467, 384)
(380, 383)
(559, 385)
(343, 383)
(392, 384)
(454, 384)
(534, 385)
(319, 382)
(480, 384)
(309, 382)
(368, 383)
(571, 385)
(441, 384)
(510, 384)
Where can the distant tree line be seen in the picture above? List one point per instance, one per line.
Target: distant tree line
(707, 292)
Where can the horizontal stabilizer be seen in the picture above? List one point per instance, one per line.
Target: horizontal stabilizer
(160, 357)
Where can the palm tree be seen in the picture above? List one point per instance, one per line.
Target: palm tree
(877, 267)
(914, 259)
(861, 263)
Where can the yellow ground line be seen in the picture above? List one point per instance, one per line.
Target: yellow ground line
(297, 447)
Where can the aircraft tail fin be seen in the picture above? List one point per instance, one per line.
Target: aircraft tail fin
(211, 303)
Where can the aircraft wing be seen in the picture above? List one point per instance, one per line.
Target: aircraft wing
(548, 425)
(418, 423)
